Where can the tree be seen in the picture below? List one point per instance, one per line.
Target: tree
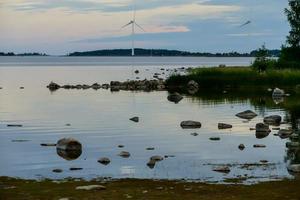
(261, 61)
(293, 15)
(289, 57)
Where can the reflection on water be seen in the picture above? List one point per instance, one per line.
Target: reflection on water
(100, 121)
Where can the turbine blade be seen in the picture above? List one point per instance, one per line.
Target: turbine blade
(127, 24)
(139, 27)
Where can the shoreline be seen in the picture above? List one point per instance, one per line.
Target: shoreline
(12, 188)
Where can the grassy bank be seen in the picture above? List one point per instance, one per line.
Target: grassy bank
(146, 189)
(236, 77)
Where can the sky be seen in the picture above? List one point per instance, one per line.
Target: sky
(59, 27)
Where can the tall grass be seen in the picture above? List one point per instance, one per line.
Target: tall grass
(236, 77)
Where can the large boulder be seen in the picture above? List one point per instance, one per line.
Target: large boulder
(190, 124)
(272, 120)
(248, 114)
(68, 148)
(176, 98)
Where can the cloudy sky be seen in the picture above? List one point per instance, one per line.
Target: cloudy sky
(63, 26)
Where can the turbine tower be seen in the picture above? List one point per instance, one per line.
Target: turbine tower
(133, 24)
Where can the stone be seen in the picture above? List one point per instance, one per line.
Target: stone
(134, 119)
(14, 125)
(124, 154)
(222, 169)
(285, 133)
(136, 71)
(91, 187)
(150, 148)
(242, 147)
(157, 158)
(104, 161)
(215, 138)
(190, 124)
(69, 148)
(151, 164)
(278, 92)
(194, 134)
(75, 168)
(259, 146)
(121, 146)
(272, 120)
(57, 170)
(48, 144)
(224, 126)
(176, 98)
(22, 88)
(53, 86)
(261, 127)
(192, 87)
(248, 114)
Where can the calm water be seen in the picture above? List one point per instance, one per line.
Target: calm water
(100, 121)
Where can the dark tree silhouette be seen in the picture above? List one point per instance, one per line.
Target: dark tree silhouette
(293, 15)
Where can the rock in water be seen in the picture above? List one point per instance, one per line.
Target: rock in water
(135, 119)
(224, 126)
(262, 130)
(248, 114)
(156, 158)
(190, 124)
(278, 93)
(242, 147)
(192, 87)
(273, 120)
(176, 98)
(124, 154)
(69, 148)
(104, 161)
(136, 71)
(259, 146)
(285, 133)
(222, 169)
(53, 86)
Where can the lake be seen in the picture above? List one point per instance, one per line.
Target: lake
(100, 121)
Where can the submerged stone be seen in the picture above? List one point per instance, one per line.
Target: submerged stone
(190, 124)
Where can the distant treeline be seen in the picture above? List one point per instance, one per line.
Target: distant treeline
(22, 54)
(150, 52)
(165, 52)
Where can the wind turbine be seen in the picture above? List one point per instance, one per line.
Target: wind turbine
(133, 24)
(246, 23)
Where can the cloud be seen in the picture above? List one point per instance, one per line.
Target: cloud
(249, 34)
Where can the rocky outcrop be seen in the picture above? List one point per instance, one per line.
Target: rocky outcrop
(190, 124)
(143, 85)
